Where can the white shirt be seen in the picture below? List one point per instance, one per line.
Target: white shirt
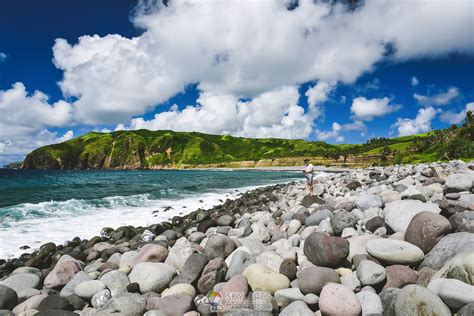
(308, 169)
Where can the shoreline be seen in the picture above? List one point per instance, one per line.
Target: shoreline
(377, 235)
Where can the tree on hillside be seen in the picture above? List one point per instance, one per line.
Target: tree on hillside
(387, 151)
(469, 120)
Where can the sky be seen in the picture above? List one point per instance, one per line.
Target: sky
(336, 71)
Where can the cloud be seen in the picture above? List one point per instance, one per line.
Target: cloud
(455, 118)
(366, 109)
(3, 56)
(441, 98)
(270, 114)
(420, 124)
(317, 96)
(246, 49)
(336, 129)
(24, 119)
(414, 81)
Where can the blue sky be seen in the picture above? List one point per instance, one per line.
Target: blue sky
(256, 69)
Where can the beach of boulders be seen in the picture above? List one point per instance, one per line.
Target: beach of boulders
(395, 240)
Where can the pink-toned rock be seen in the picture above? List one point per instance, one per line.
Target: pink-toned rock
(150, 253)
(426, 229)
(63, 272)
(398, 276)
(336, 299)
(424, 276)
(31, 303)
(234, 292)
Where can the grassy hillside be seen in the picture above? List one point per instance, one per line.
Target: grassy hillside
(168, 149)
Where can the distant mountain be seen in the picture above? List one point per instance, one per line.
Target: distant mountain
(144, 149)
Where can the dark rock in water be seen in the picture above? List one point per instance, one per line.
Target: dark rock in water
(312, 279)
(374, 223)
(353, 185)
(76, 302)
(133, 288)
(213, 273)
(288, 268)
(219, 246)
(342, 219)
(326, 251)
(425, 230)
(8, 298)
(25, 247)
(106, 232)
(206, 224)
(310, 200)
(191, 270)
(389, 297)
(55, 302)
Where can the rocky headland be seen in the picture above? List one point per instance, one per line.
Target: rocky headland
(393, 240)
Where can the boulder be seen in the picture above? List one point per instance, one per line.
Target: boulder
(398, 276)
(213, 273)
(392, 251)
(150, 253)
(414, 300)
(426, 229)
(8, 298)
(219, 246)
(370, 273)
(336, 299)
(452, 292)
(448, 247)
(399, 214)
(365, 201)
(312, 279)
(370, 302)
(265, 279)
(324, 250)
(458, 182)
(152, 276)
(460, 267)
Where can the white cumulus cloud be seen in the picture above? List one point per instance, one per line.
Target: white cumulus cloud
(454, 117)
(366, 109)
(270, 114)
(442, 98)
(244, 49)
(3, 56)
(414, 81)
(336, 129)
(420, 124)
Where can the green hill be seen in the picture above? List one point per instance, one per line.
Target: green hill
(168, 149)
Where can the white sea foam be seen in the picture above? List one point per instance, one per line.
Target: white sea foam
(35, 224)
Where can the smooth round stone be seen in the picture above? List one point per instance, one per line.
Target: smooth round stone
(399, 214)
(87, 289)
(324, 250)
(284, 297)
(398, 276)
(213, 273)
(458, 182)
(116, 281)
(293, 227)
(374, 223)
(225, 220)
(312, 279)
(415, 300)
(391, 251)
(370, 302)
(297, 308)
(452, 292)
(8, 297)
(21, 281)
(234, 292)
(171, 305)
(240, 260)
(316, 218)
(341, 220)
(365, 201)
(270, 259)
(357, 245)
(288, 268)
(467, 310)
(389, 298)
(182, 288)
(370, 273)
(54, 302)
(192, 269)
(63, 272)
(179, 253)
(351, 281)
(460, 267)
(336, 299)
(265, 279)
(152, 276)
(426, 229)
(132, 304)
(150, 253)
(448, 247)
(219, 246)
(452, 196)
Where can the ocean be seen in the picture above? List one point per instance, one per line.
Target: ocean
(39, 206)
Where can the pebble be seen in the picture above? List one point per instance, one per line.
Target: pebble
(87, 289)
(414, 300)
(391, 251)
(371, 303)
(399, 214)
(452, 292)
(312, 279)
(152, 276)
(324, 250)
(426, 229)
(336, 299)
(370, 273)
(265, 279)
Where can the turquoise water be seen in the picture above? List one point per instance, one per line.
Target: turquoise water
(40, 206)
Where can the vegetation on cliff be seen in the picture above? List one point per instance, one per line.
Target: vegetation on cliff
(168, 149)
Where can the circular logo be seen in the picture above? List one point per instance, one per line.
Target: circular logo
(214, 298)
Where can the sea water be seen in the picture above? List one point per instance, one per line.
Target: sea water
(40, 206)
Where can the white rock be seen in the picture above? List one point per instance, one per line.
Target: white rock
(400, 213)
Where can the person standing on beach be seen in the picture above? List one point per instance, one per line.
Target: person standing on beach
(308, 171)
